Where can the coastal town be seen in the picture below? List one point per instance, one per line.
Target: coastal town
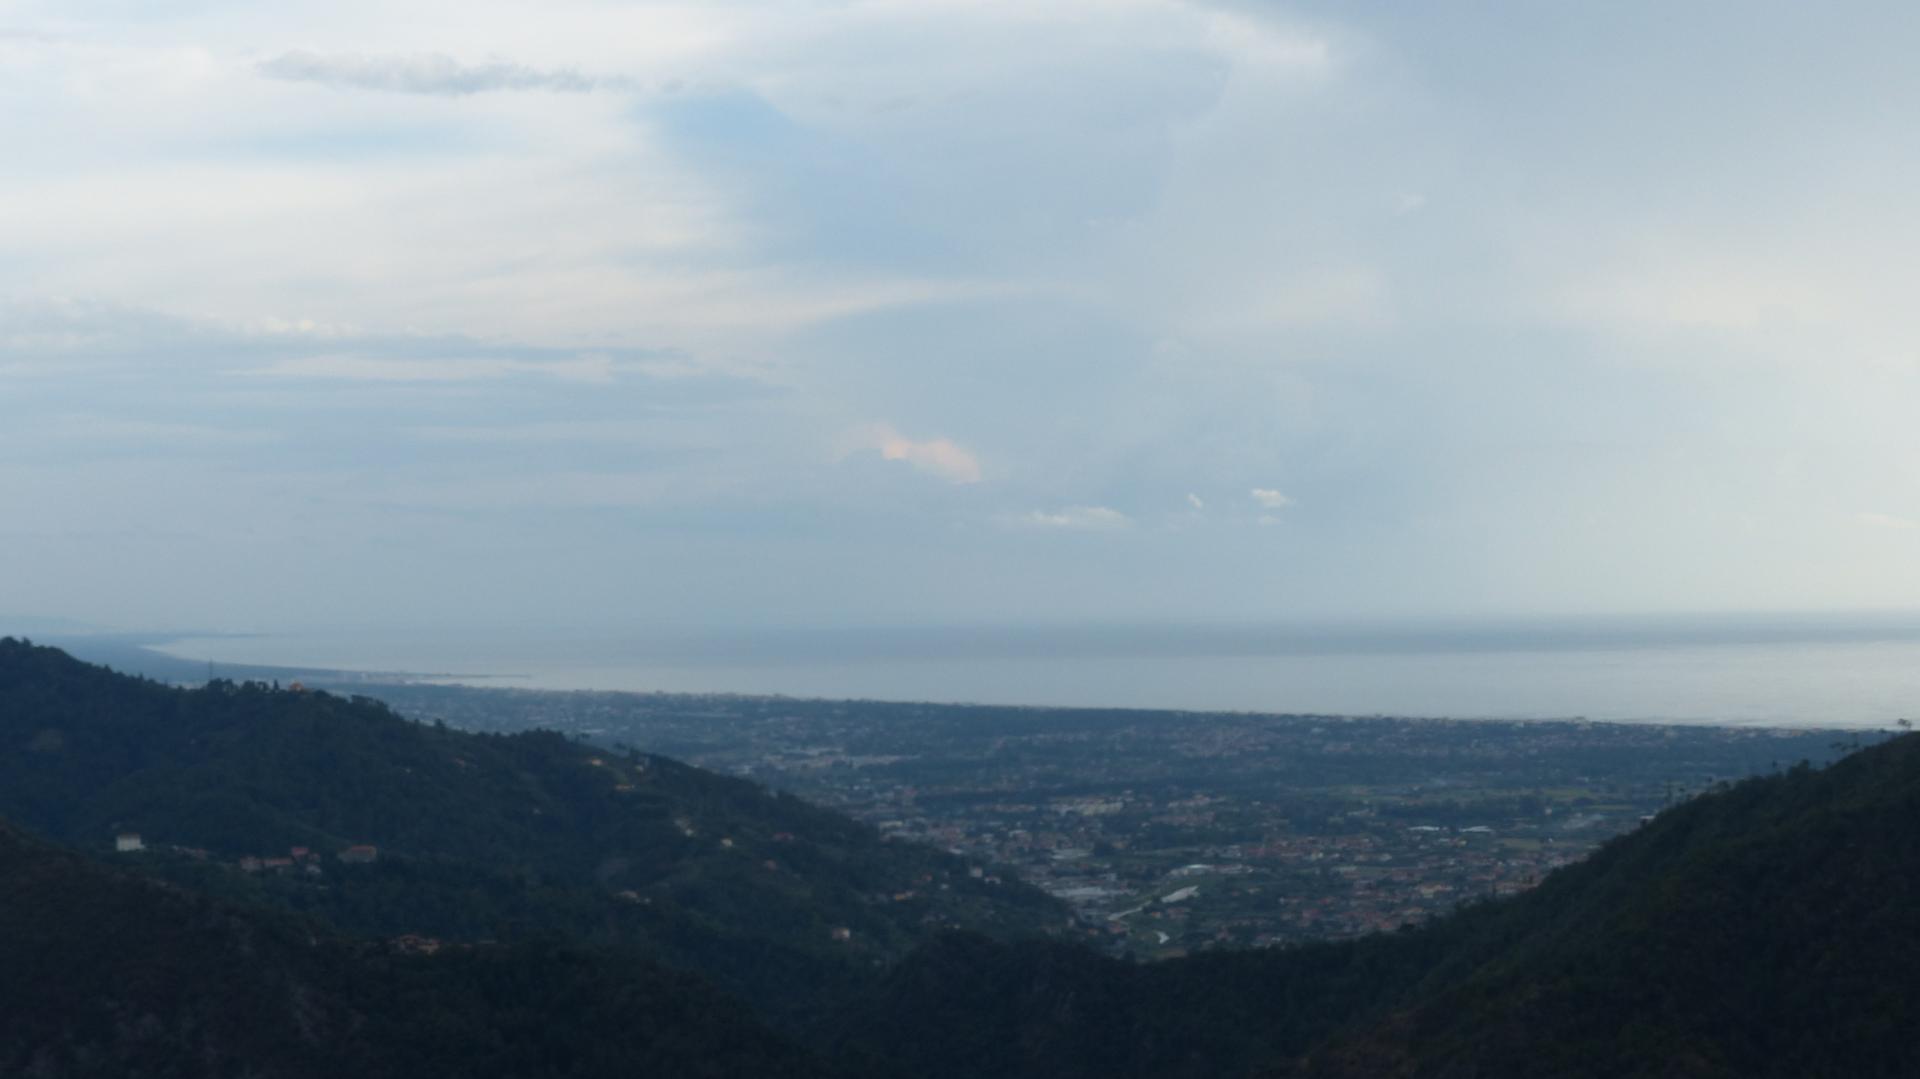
(1170, 832)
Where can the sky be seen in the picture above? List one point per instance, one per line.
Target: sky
(620, 314)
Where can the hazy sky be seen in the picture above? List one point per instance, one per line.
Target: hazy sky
(601, 314)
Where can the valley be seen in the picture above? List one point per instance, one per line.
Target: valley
(1169, 832)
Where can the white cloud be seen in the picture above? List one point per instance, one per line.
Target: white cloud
(1079, 518)
(941, 457)
(976, 219)
(459, 201)
(574, 489)
(422, 73)
(1322, 296)
(1262, 46)
(97, 431)
(592, 369)
(1677, 291)
(558, 432)
(1888, 521)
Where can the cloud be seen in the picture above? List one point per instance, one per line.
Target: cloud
(940, 456)
(62, 327)
(97, 430)
(1079, 518)
(1888, 521)
(1268, 498)
(1270, 49)
(100, 433)
(423, 73)
(556, 432)
(594, 369)
(566, 489)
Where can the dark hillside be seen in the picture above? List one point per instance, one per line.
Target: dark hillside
(478, 836)
(1769, 929)
(110, 974)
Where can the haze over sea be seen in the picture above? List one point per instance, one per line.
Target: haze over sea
(1811, 670)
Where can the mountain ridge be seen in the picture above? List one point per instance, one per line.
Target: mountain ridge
(1763, 928)
(475, 835)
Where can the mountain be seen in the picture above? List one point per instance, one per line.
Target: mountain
(1766, 929)
(105, 973)
(1769, 929)
(1763, 929)
(475, 837)
(139, 654)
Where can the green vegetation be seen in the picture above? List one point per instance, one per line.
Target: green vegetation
(478, 836)
(540, 907)
(1766, 930)
(106, 974)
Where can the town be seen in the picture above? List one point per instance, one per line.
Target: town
(1170, 832)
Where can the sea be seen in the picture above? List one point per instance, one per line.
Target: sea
(1842, 671)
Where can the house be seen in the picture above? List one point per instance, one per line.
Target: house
(127, 842)
(415, 944)
(361, 854)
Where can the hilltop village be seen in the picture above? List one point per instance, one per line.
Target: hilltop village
(1171, 832)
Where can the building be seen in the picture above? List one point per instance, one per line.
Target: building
(362, 854)
(127, 842)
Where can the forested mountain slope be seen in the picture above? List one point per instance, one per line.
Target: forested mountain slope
(1767, 928)
(477, 836)
(105, 973)
(1770, 929)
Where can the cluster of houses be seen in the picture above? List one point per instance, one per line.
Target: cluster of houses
(295, 856)
(302, 858)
